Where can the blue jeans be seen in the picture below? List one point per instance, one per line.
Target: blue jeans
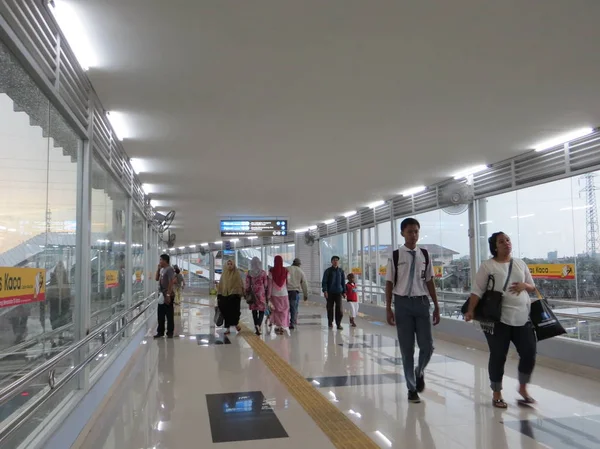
(413, 318)
(294, 297)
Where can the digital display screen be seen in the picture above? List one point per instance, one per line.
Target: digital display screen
(254, 228)
(240, 406)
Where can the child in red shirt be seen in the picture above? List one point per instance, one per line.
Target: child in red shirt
(352, 296)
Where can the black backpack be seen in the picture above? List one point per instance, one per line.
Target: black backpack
(396, 256)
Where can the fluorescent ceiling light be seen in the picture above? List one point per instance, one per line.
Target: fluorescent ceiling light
(350, 213)
(204, 244)
(376, 204)
(301, 231)
(219, 242)
(234, 240)
(171, 249)
(563, 138)
(312, 228)
(153, 203)
(330, 221)
(138, 165)
(182, 247)
(252, 238)
(119, 124)
(414, 190)
(75, 32)
(470, 171)
(193, 246)
(291, 245)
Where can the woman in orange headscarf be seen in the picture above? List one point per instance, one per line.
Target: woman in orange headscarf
(278, 296)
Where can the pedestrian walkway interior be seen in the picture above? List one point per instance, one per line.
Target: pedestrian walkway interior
(203, 389)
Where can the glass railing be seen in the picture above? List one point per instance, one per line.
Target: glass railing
(36, 396)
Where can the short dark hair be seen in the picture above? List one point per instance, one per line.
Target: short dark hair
(409, 222)
(166, 258)
(335, 258)
(493, 242)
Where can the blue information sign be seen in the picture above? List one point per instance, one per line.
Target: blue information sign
(254, 228)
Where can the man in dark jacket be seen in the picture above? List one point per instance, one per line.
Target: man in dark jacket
(334, 288)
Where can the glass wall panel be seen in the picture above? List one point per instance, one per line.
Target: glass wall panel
(38, 155)
(108, 255)
(138, 277)
(552, 227)
(355, 260)
(336, 245)
(444, 234)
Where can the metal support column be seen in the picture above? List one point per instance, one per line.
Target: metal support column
(473, 241)
(83, 272)
(128, 253)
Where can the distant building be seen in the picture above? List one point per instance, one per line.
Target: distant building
(552, 256)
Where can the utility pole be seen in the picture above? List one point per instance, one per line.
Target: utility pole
(592, 233)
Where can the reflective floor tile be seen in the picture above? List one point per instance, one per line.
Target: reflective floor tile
(212, 339)
(355, 380)
(573, 432)
(242, 416)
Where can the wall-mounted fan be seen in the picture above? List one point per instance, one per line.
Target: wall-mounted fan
(309, 238)
(457, 197)
(168, 237)
(164, 221)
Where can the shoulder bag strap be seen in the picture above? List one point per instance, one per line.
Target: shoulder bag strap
(396, 257)
(510, 266)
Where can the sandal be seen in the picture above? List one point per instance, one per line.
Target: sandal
(499, 403)
(238, 328)
(527, 400)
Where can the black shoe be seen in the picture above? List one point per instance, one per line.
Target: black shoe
(158, 336)
(170, 336)
(292, 327)
(420, 382)
(330, 326)
(413, 397)
(340, 328)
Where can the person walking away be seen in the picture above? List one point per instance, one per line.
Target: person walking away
(179, 284)
(278, 297)
(257, 283)
(352, 295)
(165, 275)
(296, 283)
(229, 296)
(334, 288)
(514, 325)
(409, 281)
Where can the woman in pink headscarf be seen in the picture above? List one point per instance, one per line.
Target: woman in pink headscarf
(278, 296)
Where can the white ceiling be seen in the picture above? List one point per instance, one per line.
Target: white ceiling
(311, 108)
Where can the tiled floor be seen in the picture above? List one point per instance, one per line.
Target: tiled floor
(201, 390)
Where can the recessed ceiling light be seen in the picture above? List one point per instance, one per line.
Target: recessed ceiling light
(376, 204)
(204, 244)
(350, 213)
(138, 165)
(301, 230)
(414, 190)
(312, 228)
(563, 138)
(470, 171)
(219, 242)
(119, 123)
(330, 221)
(193, 246)
(182, 247)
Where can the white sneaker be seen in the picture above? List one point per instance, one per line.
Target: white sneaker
(287, 331)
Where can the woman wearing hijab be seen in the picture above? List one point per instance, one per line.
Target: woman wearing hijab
(256, 292)
(278, 296)
(229, 295)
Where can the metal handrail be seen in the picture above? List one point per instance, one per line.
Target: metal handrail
(34, 405)
(13, 389)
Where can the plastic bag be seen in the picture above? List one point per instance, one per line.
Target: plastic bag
(544, 321)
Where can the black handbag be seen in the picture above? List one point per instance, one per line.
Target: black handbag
(489, 307)
(545, 323)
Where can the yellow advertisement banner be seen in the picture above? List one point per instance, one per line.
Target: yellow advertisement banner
(357, 271)
(565, 271)
(111, 278)
(21, 286)
(138, 276)
(438, 271)
(383, 270)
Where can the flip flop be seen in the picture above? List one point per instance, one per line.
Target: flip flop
(527, 400)
(499, 403)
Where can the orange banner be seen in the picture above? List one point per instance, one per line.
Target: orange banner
(21, 286)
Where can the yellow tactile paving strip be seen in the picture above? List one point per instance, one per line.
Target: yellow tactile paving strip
(342, 432)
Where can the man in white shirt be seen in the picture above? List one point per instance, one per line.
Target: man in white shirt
(296, 282)
(409, 280)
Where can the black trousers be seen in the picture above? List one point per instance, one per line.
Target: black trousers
(258, 316)
(166, 311)
(334, 299)
(523, 337)
(230, 308)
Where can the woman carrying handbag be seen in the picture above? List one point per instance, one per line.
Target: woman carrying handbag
(511, 278)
